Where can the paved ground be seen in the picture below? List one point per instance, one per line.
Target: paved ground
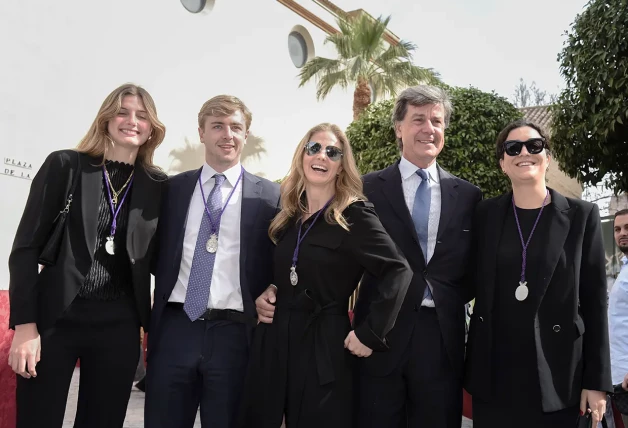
(135, 412)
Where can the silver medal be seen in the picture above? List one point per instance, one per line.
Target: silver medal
(109, 247)
(294, 278)
(521, 293)
(212, 243)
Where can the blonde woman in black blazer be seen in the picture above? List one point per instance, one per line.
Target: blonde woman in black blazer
(538, 352)
(90, 304)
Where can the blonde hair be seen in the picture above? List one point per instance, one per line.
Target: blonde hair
(97, 140)
(348, 185)
(224, 105)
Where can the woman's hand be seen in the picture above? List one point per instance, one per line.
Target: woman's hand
(624, 384)
(353, 344)
(597, 404)
(25, 350)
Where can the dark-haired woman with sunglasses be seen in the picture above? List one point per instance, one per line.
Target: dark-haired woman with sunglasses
(538, 352)
(327, 236)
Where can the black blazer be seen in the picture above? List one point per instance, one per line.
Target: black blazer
(446, 270)
(574, 300)
(43, 297)
(260, 203)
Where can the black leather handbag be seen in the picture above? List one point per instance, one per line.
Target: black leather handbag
(620, 399)
(50, 252)
(587, 422)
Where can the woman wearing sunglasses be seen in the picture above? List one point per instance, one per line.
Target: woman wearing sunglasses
(538, 352)
(326, 235)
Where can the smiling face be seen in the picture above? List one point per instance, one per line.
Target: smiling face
(525, 167)
(130, 128)
(422, 132)
(319, 170)
(621, 232)
(223, 137)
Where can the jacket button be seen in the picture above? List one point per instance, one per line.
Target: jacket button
(424, 272)
(556, 328)
(132, 261)
(416, 308)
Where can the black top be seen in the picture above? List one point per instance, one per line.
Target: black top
(515, 375)
(300, 358)
(110, 275)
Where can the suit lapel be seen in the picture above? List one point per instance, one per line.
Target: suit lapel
(492, 233)
(91, 193)
(141, 196)
(393, 191)
(558, 232)
(448, 198)
(181, 207)
(251, 197)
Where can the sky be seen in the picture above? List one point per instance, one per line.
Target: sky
(488, 44)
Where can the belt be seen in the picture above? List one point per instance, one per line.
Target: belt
(305, 302)
(220, 314)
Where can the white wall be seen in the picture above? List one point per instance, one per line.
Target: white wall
(60, 59)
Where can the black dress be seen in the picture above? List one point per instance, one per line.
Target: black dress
(299, 366)
(516, 401)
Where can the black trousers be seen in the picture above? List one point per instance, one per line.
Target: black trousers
(200, 363)
(104, 335)
(421, 392)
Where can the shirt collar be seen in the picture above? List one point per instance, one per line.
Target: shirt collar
(232, 174)
(624, 261)
(407, 168)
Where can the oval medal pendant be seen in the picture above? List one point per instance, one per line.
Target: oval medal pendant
(521, 293)
(212, 243)
(294, 278)
(109, 247)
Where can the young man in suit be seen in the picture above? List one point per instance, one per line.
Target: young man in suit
(214, 259)
(428, 212)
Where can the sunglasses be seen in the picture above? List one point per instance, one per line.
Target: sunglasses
(534, 146)
(332, 152)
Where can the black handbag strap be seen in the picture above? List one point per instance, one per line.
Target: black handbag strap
(75, 180)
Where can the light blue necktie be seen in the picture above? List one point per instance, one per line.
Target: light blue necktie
(197, 295)
(421, 217)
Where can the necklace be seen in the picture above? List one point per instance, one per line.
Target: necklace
(521, 292)
(294, 278)
(114, 194)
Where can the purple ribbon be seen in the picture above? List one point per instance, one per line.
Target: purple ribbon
(525, 245)
(115, 211)
(214, 226)
(295, 255)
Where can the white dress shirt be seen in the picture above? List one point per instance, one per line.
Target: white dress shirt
(410, 181)
(225, 291)
(618, 324)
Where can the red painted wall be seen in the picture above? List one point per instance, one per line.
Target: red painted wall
(7, 377)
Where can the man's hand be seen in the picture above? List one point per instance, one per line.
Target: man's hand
(265, 305)
(353, 344)
(25, 350)
(624, 384)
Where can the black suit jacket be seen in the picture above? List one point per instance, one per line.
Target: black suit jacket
(260, 202)
(568, 358)
(42, 297)
(446, 270)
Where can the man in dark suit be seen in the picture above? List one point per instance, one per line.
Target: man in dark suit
(428, 213)
(214, 260)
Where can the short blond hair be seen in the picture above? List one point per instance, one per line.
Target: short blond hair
(224, 105)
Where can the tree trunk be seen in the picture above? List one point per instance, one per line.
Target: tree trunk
(361, 97)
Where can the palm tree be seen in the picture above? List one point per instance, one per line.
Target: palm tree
(367, 61)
